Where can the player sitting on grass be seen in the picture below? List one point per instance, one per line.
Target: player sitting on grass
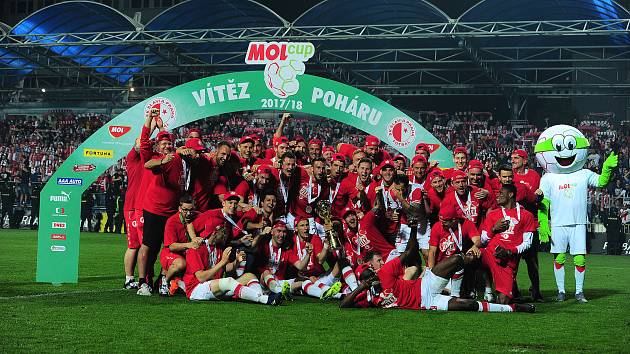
(178, 237)
(205, 266)
(387, 289)
(510, 231)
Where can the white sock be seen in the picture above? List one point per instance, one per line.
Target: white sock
(456, 282)
(255, 285)
(240, 270)
(311, 289)
(129, 278)
(350, 278)
(558, 271)
(490, 307)
(246, 293)
(272, 284)
(579, 279)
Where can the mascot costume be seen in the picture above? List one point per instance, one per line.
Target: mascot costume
(561, 150)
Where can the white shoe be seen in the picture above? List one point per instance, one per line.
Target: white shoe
(163, 290)
(144, 290)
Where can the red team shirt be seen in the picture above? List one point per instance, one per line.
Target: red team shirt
(447, 244)
(477, 208)
(203, 258)
(397, 292)
(174, 232)
(370, 238)
(513, 236)
(275, 259)
(134, 167)
(299, 248)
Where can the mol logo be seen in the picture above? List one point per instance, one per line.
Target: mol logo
(401, 132)
(116, 131)
(58, 225)
(84, 168)
(284, 62)
(61, 237)
(64, 197)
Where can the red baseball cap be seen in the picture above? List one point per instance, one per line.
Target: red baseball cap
(315, 141)
(195, 144)
(371, 140)
(434, 174)
(254, 137)
(279, 141)
(212, 224)
(423, 146)
(194, 130)
(389, 163)
(279, 223)
(346, 211)
(231, 195)
(460, 150)
(361, 268)
(520, 152)
(457, 174)
(339, 157)
(328, 148)
(164, 135)
(298, 138)
(298, 219)
(418, 158)
(245, 139)
(400, 157)
(448, 212)
(475, 164)
(264, 169)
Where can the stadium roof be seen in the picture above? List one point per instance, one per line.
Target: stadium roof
(389, 47)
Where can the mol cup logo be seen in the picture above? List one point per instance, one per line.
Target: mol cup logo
(58, 225)
(67, 181)
(84, 168)
(165, 108)
(401, 132)
(98, 154)
(116, 131)
(64, 197)
(284, 62)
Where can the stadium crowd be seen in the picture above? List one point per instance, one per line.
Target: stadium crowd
(264, 211)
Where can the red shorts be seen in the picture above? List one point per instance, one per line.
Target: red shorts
(133, 241)
(503, 273)
(139, 218)
(167, 258)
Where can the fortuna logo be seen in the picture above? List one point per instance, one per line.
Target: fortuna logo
(116, 131)
(284, 62)
(58, 225)
(64, 197)
(401, 132)
(99, 154)
(168, 114)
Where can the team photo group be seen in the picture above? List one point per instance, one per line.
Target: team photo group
(276, 217)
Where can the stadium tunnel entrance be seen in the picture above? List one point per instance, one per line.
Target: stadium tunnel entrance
(60, 203)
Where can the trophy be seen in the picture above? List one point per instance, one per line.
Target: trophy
(323, 211)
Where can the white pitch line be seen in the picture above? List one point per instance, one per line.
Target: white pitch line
(58, 294)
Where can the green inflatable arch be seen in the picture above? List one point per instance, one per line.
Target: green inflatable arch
(60, 208)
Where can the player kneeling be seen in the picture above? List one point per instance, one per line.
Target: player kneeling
(205, 266)
(387, 288)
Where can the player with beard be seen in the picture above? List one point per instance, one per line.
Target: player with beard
(161, 195)
(245, 150)
(447, 239)
(274, 258)
(256, 220)
(508, 232)
(336, 176)
(351, 192)
(205, 267)
(419, 167)
(349, 237)
(197, 168)
(356, 158)
(264, 180)
(530, 179)
(314, 149)
(318, 282)
(435, 193)
(311, 190)
(290, 179)
(178, 237)
(460, 159)
(524, 196)
(400, 164)
(480, 179)
(465, 198)
(388, 221)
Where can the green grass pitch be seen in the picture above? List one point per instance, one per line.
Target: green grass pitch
(95, 315)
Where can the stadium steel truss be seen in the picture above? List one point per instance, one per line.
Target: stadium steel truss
(85, 50)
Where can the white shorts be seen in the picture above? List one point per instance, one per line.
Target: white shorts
(202, 292)
(403, 238)
(431, 291)
(573, 236)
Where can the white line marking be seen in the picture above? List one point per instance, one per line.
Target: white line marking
(59, 294)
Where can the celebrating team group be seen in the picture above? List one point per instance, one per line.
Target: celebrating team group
(345, 222)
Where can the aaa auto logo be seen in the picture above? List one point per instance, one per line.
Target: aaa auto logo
(401, 132)
(166, 109)
(116, 131)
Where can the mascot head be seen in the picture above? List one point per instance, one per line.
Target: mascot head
(561, 149)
